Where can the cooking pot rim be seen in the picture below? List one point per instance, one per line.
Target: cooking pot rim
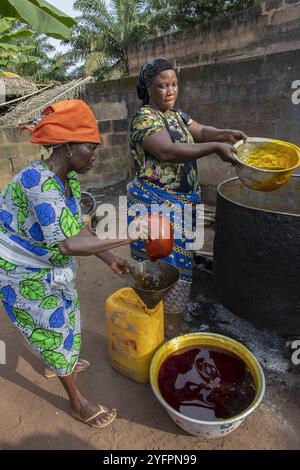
(223, 183)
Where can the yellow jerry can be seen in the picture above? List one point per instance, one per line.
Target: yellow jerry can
(134, 333)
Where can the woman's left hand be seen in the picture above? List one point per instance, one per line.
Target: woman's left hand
(119, 265)
(233, 136)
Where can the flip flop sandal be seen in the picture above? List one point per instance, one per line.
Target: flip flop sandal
(81, 366)
(101, 410)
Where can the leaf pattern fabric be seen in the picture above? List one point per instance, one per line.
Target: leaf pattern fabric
(35, 214)
(68, 223)
(178, 177)
(51, 184)
(48, 320)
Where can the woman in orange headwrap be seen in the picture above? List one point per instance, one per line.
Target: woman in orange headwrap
(41, 230)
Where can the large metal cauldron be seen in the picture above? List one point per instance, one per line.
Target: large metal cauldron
(257, 254)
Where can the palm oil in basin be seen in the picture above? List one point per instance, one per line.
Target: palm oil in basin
(208, 383)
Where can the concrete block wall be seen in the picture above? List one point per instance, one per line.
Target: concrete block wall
(252, 94)
(112, 156)
(113, 163)
(15, 153)
(269, 27)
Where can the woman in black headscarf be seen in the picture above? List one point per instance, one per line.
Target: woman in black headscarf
(165, 144)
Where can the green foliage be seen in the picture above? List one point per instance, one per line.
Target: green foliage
(99, 39)
(103, 34)
(168, 16)
(11, 53)
(40, 15)
(104, 30)
(18, 47)
(31, 55)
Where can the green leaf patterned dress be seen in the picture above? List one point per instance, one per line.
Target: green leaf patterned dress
(36, 215)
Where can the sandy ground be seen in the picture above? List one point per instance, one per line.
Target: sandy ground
(35, 412)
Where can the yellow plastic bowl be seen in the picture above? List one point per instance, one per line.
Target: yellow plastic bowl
(265, 179)
(208, 429)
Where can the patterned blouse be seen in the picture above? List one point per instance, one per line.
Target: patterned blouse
(179, 177)
(36, 214)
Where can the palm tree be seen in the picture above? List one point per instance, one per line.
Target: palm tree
(38, 60)
(163, 15)
(103, 33)
(48, 66)
(101, 37)
(41, 50)
(169, 15)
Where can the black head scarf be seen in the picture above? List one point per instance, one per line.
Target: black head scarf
(147, 74)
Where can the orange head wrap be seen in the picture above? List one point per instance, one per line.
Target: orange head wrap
(66, 121)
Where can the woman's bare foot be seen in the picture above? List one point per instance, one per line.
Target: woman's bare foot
(96, 416)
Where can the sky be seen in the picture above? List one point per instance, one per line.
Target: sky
(66, 6)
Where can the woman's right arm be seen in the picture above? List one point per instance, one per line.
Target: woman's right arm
(161, 146)
(87, 245)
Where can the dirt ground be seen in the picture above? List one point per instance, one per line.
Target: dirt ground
(35, 412)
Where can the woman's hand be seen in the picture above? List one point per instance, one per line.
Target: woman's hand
(119, 265)
(225, 152)
(233, 136)
(203, 133)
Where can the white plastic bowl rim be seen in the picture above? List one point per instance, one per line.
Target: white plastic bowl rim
(241, 416)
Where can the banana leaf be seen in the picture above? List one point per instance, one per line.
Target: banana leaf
(40, 15)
